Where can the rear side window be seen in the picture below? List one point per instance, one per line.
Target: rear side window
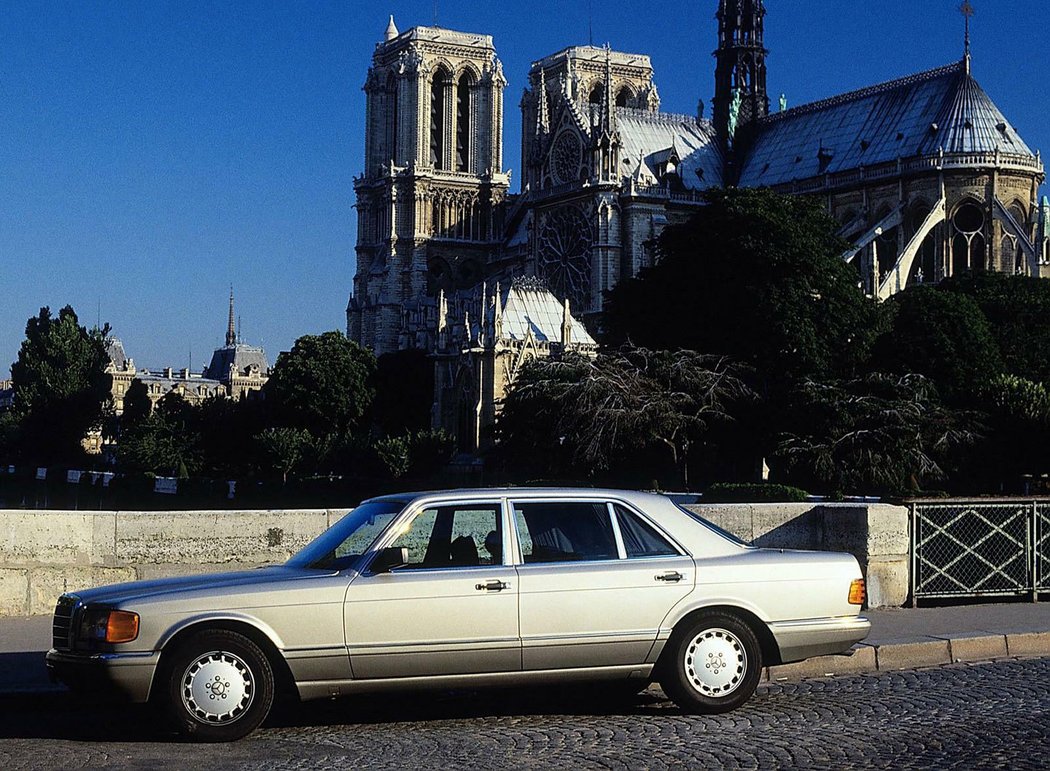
(572, 531)
(640, 539)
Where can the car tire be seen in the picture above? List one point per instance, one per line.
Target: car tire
(220, 686)
(712, 664)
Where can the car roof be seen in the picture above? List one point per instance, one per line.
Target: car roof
(519, 492)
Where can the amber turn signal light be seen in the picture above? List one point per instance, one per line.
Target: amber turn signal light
(123, 626)
(857, 593)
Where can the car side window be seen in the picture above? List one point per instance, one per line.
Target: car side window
(564, 531)
(640, 539)
(467, 535)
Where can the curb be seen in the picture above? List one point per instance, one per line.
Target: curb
(916, 652)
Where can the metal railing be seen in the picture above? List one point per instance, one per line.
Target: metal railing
(980, 548)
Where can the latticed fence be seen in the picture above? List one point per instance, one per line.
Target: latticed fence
(976, 548)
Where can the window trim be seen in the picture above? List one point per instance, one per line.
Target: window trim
(396, 529)
(682, 552)
(520, 557)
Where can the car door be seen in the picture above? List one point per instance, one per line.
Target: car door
(452, 609)
(583, 602)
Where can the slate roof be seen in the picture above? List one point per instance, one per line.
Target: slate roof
(647, 137)
(528, 305)
(913, 116)
(240, 356)
(115, 350)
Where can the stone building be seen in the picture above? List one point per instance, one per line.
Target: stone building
(925, 174)
(236, 370)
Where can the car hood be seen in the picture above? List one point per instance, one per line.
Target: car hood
(117, 594)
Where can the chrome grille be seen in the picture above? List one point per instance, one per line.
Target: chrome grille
(61, 627)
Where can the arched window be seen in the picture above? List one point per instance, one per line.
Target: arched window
(1008, 254)
(596, 93)
(464, 94)
(437, 118)
(392, 117)
(968, 244)
(623, 97)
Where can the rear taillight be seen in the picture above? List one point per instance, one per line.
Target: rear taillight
(857, 592)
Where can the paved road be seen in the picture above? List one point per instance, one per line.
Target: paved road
(959, 716)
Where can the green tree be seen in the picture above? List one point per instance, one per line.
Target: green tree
(167, 442)
(757, 276)
(876, 434)
(61, 387)
(322, 384)
(942, 335)
(283, 449)
(605, 408)
(1017, 309)
(137, 405)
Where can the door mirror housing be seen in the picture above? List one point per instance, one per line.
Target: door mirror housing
(389, 558)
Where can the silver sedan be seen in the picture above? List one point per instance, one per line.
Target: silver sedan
(467, 588)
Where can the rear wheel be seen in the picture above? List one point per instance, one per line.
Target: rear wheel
(220, 686)
(713, 664)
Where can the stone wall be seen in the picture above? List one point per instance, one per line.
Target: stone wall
(44, 553)
(876, 534)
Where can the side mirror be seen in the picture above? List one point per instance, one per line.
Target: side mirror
(389, 558)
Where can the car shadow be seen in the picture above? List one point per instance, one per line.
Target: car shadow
(97, 717)
(424, 706)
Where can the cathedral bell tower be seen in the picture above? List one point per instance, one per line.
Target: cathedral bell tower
(433, 179)
(740, 67)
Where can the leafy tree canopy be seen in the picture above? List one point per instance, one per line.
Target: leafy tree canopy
(61, 387)
(755, 275)
(601, 410)
(876, 434)
(322, 384)
(942, 335)
(1017, 309)
(404, 391)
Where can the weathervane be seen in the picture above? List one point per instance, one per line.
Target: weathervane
(966, 9)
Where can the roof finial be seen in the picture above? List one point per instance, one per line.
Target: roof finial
(231, 331)
(391, 29)
(966, 9)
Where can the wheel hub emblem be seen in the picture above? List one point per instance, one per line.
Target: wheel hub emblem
(218, 688)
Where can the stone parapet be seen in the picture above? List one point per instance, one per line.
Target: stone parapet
(877, 534)
(46, 553)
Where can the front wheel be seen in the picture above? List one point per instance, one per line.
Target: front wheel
(713, 664)
(220, 687)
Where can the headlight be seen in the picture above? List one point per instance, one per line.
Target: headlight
(111, 626)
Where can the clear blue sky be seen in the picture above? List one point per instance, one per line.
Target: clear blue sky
(152, 153)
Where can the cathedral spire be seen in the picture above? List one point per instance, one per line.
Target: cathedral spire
(391, 29)
(966, 9)
(542, 119)
(231, 330)
(740, 64)
(608, 125)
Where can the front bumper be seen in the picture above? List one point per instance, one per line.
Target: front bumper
(128, 674)
(800, 640)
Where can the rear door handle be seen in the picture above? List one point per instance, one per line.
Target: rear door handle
(673, 576)
(492, 586)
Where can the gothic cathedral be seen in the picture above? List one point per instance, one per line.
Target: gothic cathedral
(925, 175)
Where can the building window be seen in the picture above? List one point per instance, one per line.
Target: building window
(437, 120)
(463, 127)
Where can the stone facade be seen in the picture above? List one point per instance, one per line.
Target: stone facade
(926, 176)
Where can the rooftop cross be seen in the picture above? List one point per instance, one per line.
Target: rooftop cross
(966, 9)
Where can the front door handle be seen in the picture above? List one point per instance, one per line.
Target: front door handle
(492, 586)
(673, 576)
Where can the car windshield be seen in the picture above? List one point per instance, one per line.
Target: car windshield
(341, 546)
(712, 526)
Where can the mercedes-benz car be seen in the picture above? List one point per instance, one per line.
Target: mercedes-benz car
(462, 589)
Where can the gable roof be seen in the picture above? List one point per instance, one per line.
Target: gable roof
(528, 305)
(918, 115)
(647, 137)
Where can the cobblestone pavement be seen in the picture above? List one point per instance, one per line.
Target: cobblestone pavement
(990, 715)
